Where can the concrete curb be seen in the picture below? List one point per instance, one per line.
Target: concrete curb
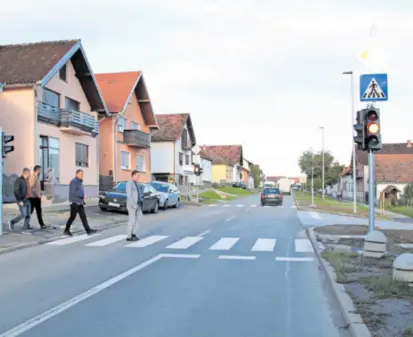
(353, 320)
(42, 242)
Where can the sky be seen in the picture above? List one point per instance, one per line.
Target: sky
(262, 73)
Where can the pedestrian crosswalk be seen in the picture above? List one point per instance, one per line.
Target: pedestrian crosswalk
(249, 206)
(267, 245)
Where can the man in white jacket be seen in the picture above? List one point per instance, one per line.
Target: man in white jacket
(133, 205)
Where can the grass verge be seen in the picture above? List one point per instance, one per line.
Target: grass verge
(234, 190)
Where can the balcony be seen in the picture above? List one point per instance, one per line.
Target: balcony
(74, 122)
(137, 138)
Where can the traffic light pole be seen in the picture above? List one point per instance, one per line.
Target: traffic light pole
(372, 199)
(197, 189)
(1, 183)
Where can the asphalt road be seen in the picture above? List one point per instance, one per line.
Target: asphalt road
(218, 271)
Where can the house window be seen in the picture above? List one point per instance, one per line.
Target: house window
(184, 139)
(134, 126)
(49, 157)
(82, 155)
(71, 104)
(63, 73)
(121, 124)
(51, 98)
(187, 159)
(181, 158)
(124, 160)
(140, 163)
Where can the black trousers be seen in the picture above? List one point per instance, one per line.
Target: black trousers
(36, 203)
(76, 209)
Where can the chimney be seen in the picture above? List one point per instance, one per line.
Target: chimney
(409, 143)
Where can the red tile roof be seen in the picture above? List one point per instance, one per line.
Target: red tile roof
(31, 62)
(225, 154)
(171, 127)
(205, 155)
(389, 148)
(274, 178)
(116, 88)
(396, 169)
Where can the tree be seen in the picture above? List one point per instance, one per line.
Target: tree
(309, 161)
(257, 174)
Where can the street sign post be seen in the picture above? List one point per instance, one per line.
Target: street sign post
(373, 88)
(196, 149)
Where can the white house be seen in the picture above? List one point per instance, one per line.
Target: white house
(171, 149)
(206, 165)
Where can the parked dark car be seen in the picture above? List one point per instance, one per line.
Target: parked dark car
(240, 185)
(116, 199)
(271, 195)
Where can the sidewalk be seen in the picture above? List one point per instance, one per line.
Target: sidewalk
(12, 208)
(56, 219)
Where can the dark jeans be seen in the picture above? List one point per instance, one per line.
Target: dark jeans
(36, 203)
(25, 213)
(74, 210)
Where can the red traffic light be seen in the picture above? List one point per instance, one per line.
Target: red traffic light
(372, 116)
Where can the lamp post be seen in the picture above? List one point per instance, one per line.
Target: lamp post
(322, 153)
(352, 140)
(312, 177)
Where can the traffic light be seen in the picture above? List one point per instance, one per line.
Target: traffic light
(196, 169)
(372, 129)
(360, 128)
(7, 148)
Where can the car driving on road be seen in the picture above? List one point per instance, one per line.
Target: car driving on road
(116, 199)
(271, 195)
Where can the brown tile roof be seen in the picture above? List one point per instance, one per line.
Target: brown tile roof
(394, 169)
(205, 155)
(225, 154)
(171, 127)
(346, 170)
(31, 62)
(274, 178)
(389, 148)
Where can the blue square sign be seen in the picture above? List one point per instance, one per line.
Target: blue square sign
(373, 88)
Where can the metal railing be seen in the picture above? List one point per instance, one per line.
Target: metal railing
(67, 118)
(136, 138)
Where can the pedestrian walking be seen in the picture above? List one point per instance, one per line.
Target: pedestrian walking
(22, 195)
(36, 196)
(77, 200)
(133, 205)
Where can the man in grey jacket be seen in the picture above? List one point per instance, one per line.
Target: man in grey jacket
(77, 200)
(133, 206)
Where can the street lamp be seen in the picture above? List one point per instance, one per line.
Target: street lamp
(353, 108)
(312, 177)
(322, 152)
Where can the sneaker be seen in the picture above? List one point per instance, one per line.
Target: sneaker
(92, 231)
(11, 226)
(67, 232)
(132, 238)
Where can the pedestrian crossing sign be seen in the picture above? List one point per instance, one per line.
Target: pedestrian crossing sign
(373, 88)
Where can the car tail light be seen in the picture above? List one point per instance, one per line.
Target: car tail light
(262, 196)
(281, 195)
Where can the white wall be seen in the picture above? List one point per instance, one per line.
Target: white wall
(178, 149)
(162, 157)
(251, 182)
(207, 170)
(236, 170)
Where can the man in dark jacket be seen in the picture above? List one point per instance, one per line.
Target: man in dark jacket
(77, 200)
(22, 194)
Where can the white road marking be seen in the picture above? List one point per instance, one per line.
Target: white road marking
(229, 219)
(213, 205)
(226, 205)
(31, 323)
(224, 244)
(264, 245)
(293, 259)
(293, 206)
(146, 241)
(254, 205)
(315, 215)
(235, 257)
(72, 239)
(203, 233)
(240, 206)
(303, 246)
(181, 256)
(185, 242)
(107, 241)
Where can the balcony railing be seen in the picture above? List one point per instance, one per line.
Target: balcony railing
(137, 138)
(68, 120)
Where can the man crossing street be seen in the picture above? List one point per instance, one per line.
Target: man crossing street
(133, 206)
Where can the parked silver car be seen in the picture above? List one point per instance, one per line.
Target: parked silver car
(169, 195)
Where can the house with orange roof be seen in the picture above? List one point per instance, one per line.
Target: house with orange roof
(127, 130)
(172, 149)
(51, 103)
(227, 163)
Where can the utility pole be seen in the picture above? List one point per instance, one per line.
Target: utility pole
(322, 153)
(312, 177)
